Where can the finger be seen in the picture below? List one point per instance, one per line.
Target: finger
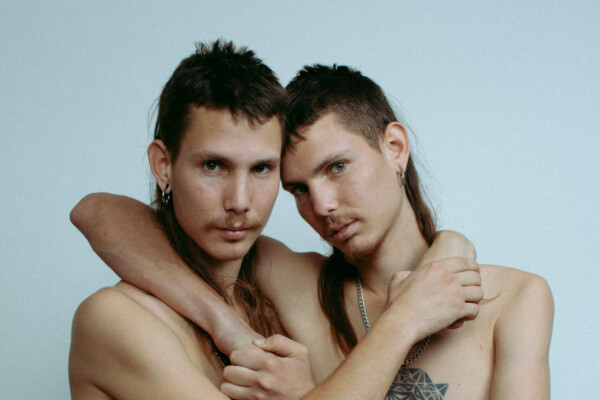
(281, 345)
(472, 294)
(400, 276)
(469, 278)
(460, 264)
(233, 391)
(471, 310)
(454, 264)
(249, 357)
(457, 324)
(239, 376)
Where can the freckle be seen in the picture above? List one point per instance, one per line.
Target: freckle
(481, 347)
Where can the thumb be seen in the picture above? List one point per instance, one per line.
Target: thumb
(400, 276)
(279, 345)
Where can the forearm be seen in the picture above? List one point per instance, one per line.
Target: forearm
(127, 236)
(369, 370)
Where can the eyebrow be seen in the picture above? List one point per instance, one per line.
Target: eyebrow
(220, 157)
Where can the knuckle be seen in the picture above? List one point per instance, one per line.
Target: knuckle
(434, 268)
(265, 383)
(272, 364)
(450, 280)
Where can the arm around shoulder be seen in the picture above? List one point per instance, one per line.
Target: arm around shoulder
(522, 340)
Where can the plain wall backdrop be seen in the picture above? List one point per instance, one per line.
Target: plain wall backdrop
(503, 99)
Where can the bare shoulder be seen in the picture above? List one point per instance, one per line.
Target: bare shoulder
(124, 345)
(522, 311)
(278, 262)
(513, 284)
(519, 299)
(98, 310)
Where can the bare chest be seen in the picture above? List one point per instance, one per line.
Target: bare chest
(456, 364)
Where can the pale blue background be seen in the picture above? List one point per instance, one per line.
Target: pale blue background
(503, 97)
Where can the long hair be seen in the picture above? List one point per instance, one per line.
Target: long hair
(218, 75)
(361, 106)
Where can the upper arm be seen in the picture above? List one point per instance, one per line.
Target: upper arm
(522, 339)
(122, 349)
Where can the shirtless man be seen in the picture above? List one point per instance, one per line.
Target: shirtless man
(215, 157)
(348, 165)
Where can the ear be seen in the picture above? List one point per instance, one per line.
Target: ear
(160, 163)
(396, 144)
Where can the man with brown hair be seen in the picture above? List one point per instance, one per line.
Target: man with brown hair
(377, 310)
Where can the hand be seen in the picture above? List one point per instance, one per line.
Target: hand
(276, 368)
(436, 296)
(447, 244)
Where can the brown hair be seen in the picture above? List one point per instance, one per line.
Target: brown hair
(360, 104)
(218, 75)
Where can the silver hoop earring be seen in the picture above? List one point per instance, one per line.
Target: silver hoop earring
(401, 177)
(166, 197)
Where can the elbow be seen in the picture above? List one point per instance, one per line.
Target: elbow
(88, 212)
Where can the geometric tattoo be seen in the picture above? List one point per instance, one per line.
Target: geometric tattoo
(415, 384)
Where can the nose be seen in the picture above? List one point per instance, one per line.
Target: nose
(323, 200)
(238, 194)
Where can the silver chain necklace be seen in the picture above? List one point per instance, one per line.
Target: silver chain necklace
(363, 313)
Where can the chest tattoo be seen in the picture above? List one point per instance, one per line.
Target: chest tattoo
(415, 384)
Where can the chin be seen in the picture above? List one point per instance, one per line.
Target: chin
(355, 251)
(231, 251)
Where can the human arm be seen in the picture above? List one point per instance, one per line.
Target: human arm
(433, 297)
(121, 350)
(126, 235)
(276, 368)
(522, 339)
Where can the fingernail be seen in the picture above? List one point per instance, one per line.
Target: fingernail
(259, 342)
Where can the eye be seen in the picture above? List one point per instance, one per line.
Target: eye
(337, 167)
(262, 169)
(298, 190)
(212, 165)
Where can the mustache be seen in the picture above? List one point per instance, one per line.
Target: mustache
(235, 222)
(337, 221)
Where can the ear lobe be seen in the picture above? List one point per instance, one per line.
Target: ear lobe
(159, 158)
(396, 144)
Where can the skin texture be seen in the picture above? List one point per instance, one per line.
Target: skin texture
(501, 352)
(126, 343)
(222, 194)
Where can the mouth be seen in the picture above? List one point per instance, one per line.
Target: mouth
(341, 232)
(235, 233)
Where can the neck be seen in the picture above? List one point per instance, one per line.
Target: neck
(226, 274)
(401, 250)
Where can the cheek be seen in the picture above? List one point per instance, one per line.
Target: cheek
(192, 195)
(265, 195)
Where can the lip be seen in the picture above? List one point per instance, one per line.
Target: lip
(342, 232)
(234, 234)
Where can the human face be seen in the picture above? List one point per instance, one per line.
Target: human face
(344, 188)
(225, 180)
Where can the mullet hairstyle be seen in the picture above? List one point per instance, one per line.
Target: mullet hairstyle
(218, 75)
(361, 106)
